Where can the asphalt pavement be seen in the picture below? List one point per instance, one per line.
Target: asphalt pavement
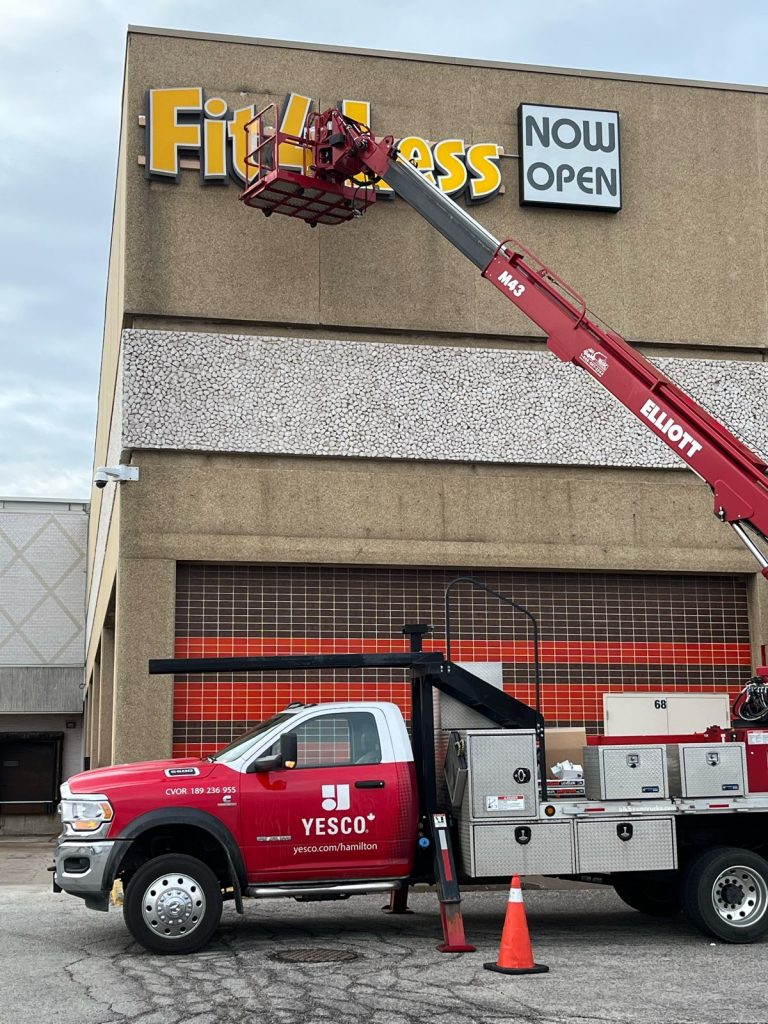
(24, 860)
(62, 963)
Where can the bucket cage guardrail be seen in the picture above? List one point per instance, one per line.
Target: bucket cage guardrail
(302, 192)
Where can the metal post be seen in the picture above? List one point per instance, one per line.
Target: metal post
(750, 545)
(398, 902)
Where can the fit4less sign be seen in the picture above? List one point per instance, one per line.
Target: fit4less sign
(185, 129)
(568, 157)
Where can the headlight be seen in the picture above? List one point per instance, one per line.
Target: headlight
(85, 813)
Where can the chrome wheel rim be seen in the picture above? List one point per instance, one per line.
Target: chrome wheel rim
(173, 905)
(740, 896)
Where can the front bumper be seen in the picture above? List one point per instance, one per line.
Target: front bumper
(81, 869)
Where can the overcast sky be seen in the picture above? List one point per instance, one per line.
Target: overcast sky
(61, 66)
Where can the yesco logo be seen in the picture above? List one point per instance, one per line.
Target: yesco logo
(337, 798)
(672, 430)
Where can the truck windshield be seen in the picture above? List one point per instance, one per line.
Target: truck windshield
(236, 748)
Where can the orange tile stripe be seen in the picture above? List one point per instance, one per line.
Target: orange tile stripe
(222, 702)
(218, 702)
(564, 652)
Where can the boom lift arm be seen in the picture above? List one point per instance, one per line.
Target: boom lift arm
(342, 160)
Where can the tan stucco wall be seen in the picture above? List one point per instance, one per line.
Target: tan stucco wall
(103, 746)
(206, 507)
(683, 262)
(144, 629)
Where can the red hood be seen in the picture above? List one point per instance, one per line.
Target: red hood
(103, 780)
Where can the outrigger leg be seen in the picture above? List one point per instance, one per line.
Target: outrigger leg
(448, 891)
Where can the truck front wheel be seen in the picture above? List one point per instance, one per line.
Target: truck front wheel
(725, 894)
(173, 904)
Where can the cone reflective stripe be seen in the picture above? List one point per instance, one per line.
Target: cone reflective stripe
(515, 953)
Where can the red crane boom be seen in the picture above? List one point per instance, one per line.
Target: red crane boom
(342, 160)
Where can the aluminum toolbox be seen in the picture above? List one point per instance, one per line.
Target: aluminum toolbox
(704, 769)
(626, 844)
(490, 850)
(626, 772)
(502, 779)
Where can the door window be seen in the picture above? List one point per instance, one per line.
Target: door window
(328, 741)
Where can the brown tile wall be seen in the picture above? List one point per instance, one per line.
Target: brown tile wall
(600, 632)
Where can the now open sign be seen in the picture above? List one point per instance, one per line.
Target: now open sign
(569, 157)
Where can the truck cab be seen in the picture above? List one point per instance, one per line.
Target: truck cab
(316, 796)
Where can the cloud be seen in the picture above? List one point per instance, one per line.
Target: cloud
(45, 480)
(15, 300)
(46, 432)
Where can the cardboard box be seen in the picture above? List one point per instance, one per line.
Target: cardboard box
(564, 745)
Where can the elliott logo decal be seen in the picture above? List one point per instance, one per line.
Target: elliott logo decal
(336, 798)
(596, 361)
(671, 429)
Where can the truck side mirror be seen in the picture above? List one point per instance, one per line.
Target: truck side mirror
(289, 749)
(286, 758)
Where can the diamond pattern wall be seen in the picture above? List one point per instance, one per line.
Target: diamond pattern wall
(42, 586)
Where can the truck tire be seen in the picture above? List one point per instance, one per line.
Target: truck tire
(725, 894)
(656, 894)
(173, 904)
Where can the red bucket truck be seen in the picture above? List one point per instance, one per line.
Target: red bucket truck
(325, 802)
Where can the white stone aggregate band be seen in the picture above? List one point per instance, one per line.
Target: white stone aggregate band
(240, 393)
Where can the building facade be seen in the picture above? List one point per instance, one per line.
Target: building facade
(332, 424)
(42, 647)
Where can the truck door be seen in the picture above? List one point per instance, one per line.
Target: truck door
(347, 810)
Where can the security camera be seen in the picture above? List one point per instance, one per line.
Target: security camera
(117, 473)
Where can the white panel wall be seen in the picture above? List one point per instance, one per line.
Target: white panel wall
(42, 582)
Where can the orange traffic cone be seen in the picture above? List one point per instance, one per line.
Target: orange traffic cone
(515, 953)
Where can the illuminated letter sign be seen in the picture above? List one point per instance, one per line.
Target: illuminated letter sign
(181, 123)
(569, 157)
(174, 117)
(184, 129)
